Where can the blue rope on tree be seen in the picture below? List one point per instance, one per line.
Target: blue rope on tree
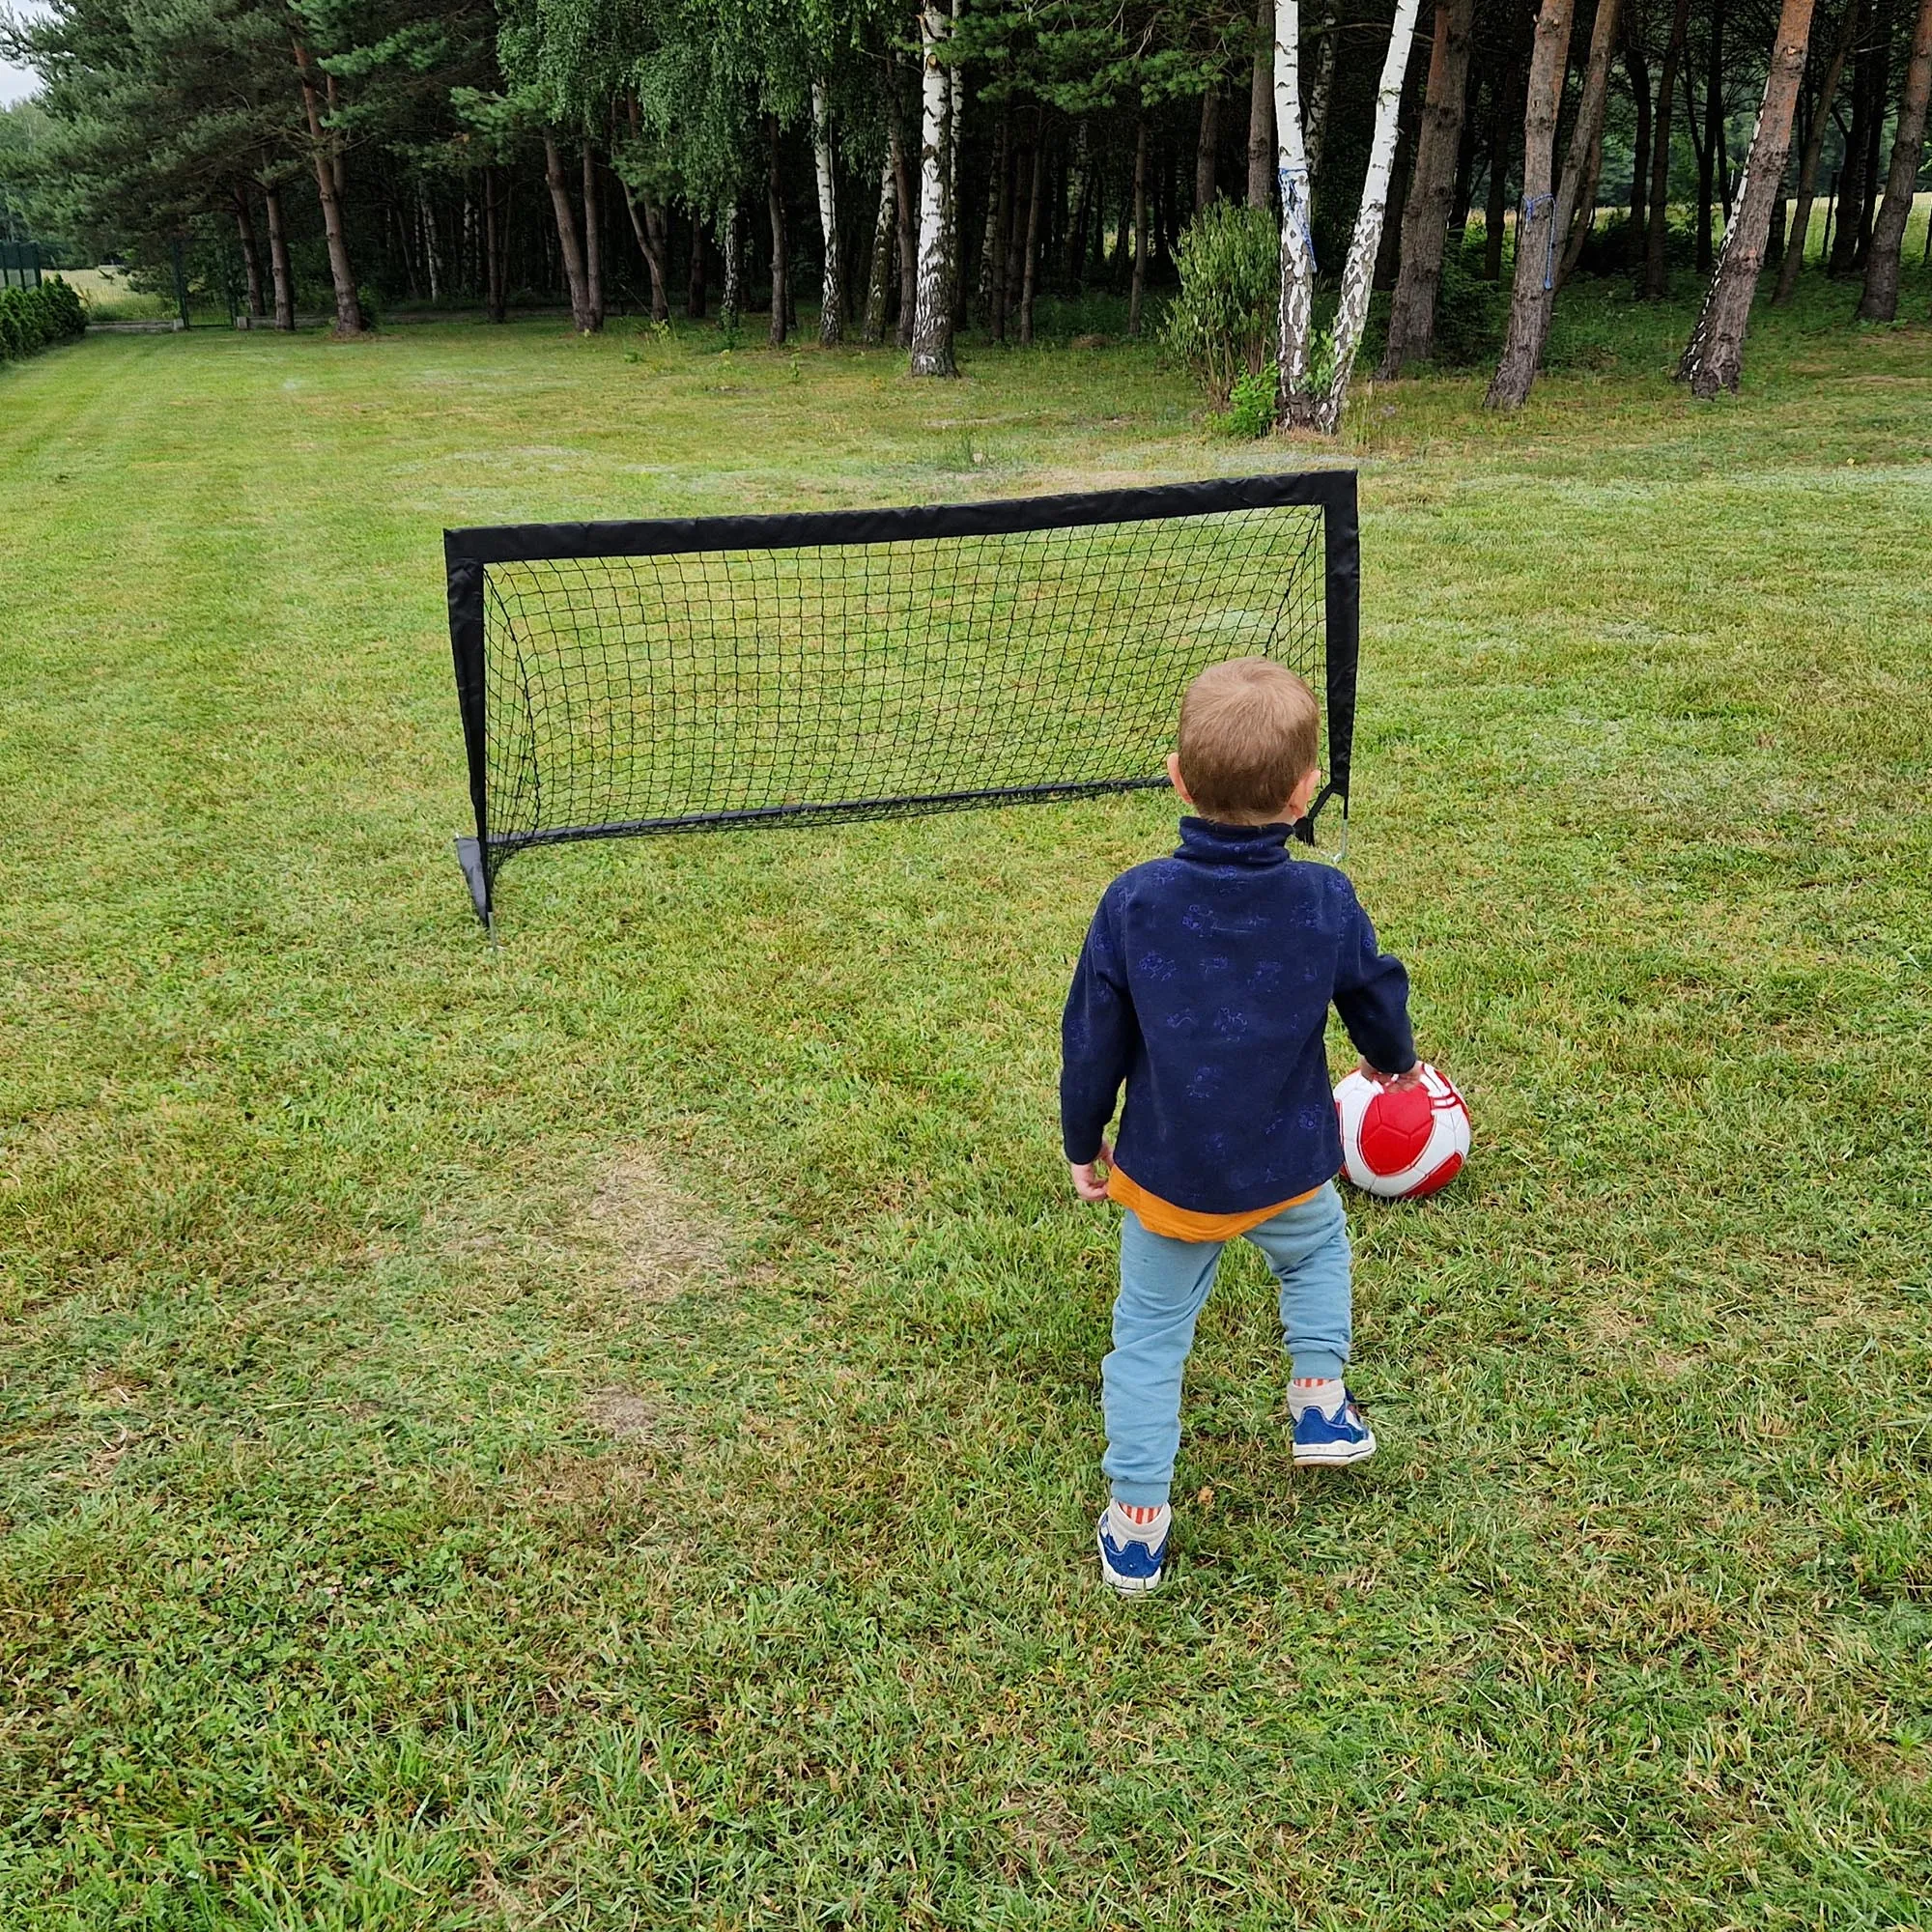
(1530, 204)
(1295, 204)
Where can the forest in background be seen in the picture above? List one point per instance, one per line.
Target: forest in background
(910, 172)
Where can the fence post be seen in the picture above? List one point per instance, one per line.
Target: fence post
(180, 284)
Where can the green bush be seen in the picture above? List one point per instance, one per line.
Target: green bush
(1222, 324)
(33, 318)
(1250, 412)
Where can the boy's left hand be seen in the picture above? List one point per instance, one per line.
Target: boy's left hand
(1392, 1083)
(1089, 1182)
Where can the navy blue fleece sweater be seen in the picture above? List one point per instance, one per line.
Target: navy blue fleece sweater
(1204, 988)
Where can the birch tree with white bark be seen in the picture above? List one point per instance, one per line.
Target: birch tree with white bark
(832, 298)
(1295, 400)
(932, 322)
(1313, 387)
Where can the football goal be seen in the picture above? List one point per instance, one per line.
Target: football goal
(630, 678)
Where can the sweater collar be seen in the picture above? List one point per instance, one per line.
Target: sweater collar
(1208, 841)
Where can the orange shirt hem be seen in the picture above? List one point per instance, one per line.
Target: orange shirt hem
(1185, 1224)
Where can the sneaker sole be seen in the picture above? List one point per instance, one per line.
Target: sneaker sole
(1339, 1458)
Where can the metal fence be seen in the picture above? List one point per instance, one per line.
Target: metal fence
(20, 264)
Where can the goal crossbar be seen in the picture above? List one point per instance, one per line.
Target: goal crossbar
(687, 664)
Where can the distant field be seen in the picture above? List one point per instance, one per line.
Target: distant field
(1913, 249)
(601, 1431)
(109, 299)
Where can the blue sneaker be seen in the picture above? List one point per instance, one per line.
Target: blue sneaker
(1332, 1441)
(1131, 1554)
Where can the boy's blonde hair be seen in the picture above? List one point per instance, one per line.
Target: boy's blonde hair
(1250, 731)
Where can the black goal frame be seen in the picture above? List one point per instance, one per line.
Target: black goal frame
(467, 554)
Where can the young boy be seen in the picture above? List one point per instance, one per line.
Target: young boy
(1204, 988)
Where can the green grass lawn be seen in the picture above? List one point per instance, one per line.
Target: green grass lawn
(603, 1431)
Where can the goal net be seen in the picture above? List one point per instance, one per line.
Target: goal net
(627, 678)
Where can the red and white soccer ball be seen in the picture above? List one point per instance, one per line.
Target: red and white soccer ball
(1402, 1144)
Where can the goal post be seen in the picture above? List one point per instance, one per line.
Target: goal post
(625, 679)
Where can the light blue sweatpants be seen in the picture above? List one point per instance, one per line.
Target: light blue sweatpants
(1164, 1286)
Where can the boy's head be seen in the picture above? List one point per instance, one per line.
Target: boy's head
(1249, 733)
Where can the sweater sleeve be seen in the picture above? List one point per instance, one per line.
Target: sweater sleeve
(1372, 991)
(1097, 1034)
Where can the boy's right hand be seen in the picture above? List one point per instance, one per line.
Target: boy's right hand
(1089, 1182)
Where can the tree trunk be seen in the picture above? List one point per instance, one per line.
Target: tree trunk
(1082, 186)
(956, 120)
(780, 254)
(1849, 195)
(405, 246)
(1536, 238)
(1496, 198)
(1294, 399)
(493, 248)
(993, 249)
(1359, 273)
(832, 282)
(879, 282)
(338, 167)
(908, 235)
(1576, 197)
(694, 284)
(1123, 235)
(1432, 185)
(432, 246)
(1464, 186)
(348, 304)
(932, 324)
(647, 227)
(278, 260)
(1027, 278)
(1321, 94)
(733, 299)
(1881, 88)
(1714, 355)
(1208, 149)
(1407, 137)
(1508, 109)
(1789, 269)
(1880, 299)
(251, 256)
(593, 241)
(1013, 261)
(1137, 289)
(1637, 67)
(1260, 109)
(566, 236)
(1655, 261)
(1709, 156)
